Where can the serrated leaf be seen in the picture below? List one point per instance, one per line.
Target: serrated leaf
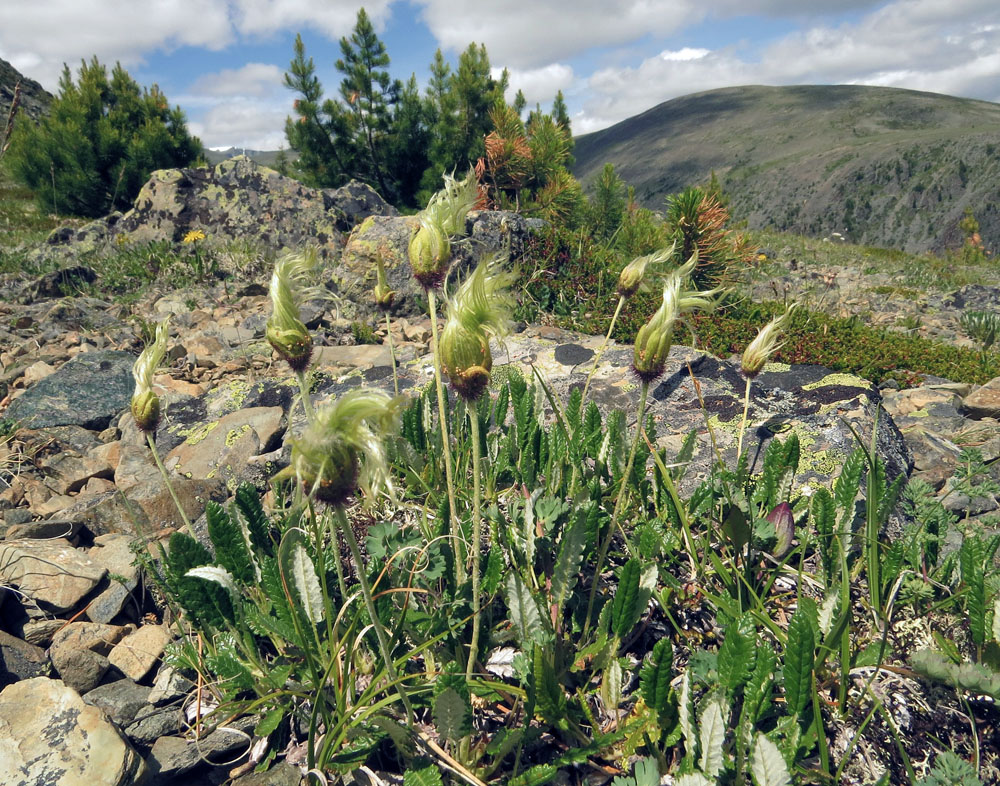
(828, 610)
(538, 775)
(524, 613)
(426, 776)
(846, 487)
(654, 684)
(736, 655)
(452, 714)
(611, 686)
(269, 722)
(799, 659)
(685, 709)
(693, 779)
(625, 608)
(564, 574)
(230, 544)
(767, 764)
(214, 573)
(298, 572)
(713, 736)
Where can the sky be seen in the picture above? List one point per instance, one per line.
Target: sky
(223, 61)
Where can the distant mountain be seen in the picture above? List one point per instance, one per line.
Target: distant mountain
(35, 99)
(265, 157)
(885, 166)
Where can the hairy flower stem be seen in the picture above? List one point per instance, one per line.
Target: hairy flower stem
(743, 423)
(619, 502)
(170, 486)
(445, 441)
(600, 351)
(477, 528)
(307, 406)
(392, 354)
(366, 592)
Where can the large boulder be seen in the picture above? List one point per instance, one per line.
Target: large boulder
(237, 200)
(48, 736)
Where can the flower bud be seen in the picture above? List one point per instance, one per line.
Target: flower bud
(784, 528)
(430, 253)
(286, 333)
(766, 344)
(634, 274)
(653, 341)
(479, 309)
(383, 295)
(145, 403)
(146, 410)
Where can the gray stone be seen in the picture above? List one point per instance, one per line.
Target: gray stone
(20, 660)
(984, 402)
(81, 670)
(114, 552)
(89, 390)
(121, 700)
(50, 572)
(281, 774)
(151, 723)
(169, 685)
(107, 512)
(48, 735)
(172, 756)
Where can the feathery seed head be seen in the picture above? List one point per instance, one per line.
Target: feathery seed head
(652, 342)
(767, 342)
(633, 276)
(341, 450)
(145, 403)
(285, 330)
(444, 216)
(479, 309)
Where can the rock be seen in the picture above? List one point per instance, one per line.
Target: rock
(151, 723)
(281, 774)
(81, 670)
(20, 660)
(114, 552)
(60, 282)
(51, 572)
(89, 636)
(235, 200)
(89, 390)
(105, 512)
(169, 686)
(172, 756)
(121, 700)
(136, 654)
(231, 439)
(48, 735)
(983, 402)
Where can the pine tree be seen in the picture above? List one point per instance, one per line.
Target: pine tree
(409, 144)
(607, 208)
(371, 94)
(322, 132)
(100, 142)
(520, 102)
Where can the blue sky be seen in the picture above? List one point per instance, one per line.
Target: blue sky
(222, 61)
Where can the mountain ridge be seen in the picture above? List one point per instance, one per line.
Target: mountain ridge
(884, 166)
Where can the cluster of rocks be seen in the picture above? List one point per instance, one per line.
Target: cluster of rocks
(88, 694)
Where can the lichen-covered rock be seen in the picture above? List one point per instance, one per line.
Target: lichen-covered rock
(488, 232)
(50, 572)
(237, 200)
(87, 391)
(48, 735)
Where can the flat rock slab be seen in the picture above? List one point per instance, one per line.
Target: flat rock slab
(48, 735)
(984, 402)
(136, 654)
(51, 572)
(89, 391)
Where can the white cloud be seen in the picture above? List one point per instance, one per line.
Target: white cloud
(949, 48)
(334, 18)
(253, 79)
(241, 123)
(38, 37)
(539, 85)
(533, 33)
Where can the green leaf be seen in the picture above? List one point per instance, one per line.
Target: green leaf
(269, 722)
(654, 684)
(713, 735)
(298, 572)
(611, 686)
(799, 659)
(247, 502)
(693, 779)
(571, 548)
(625, 609)
(538, 775)
(452, 714)
(846, 487)
(767, 764)
(736, 654)
(685, 707)
(230, 546)
(823, 514)
(549, 696)
(524, 613)
(426, 776)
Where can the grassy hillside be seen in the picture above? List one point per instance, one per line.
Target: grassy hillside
(884, 166)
